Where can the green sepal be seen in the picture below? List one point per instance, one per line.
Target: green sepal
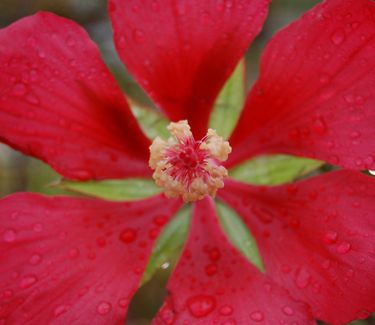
(239, 234)
(169, 244)
(113, 190)
(229, 103)
(151, 121)
(273, 169)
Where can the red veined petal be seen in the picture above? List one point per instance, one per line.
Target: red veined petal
(315, 94)
(181, 52)
(317, 239)
(74, 261)
(59, 103)
(214, 284)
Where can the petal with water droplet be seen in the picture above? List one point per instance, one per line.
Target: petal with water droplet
(69, 110)
(188, 60)
(315, 94)
(237, 293)
(83, 265)
(328, 260)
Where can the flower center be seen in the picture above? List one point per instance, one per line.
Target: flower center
(186, 167)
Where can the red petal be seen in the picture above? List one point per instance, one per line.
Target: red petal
(315, 95)
(182, 52)
(74, 261)
(317, 238)
(214, 284)
(58, 102)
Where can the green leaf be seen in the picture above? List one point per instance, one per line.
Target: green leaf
(273, 169)
(169, 244)
(152, 122)
(239, 234)
(229, 103)
(114, 190)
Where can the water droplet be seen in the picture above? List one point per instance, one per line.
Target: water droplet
(319, 126)
(9, 235)
(201, 306)
(32, 99)
(28, 281)
(326, 264)
(104, 308)
(19, 89)
(74, 252)
(166, 313)
(343, 248)
(211, 269)
(288, 311)
(263, 214)
(112, 6)
(257, 316)
(303, 279)
(226, 310)
(121, 43)
(101, 241)
(38, 227)
(153, 233)
(70, 41)
(138, 36)
(363, 314)
(349, 98)
(59, 310)
(35, 259)
(8, 294)
(128, 235)
(33, 75)
(330, 237)
(160, 220)
(324, 79)
(123, 302)
(355, 134)
(81, 174)
(338, 37)
(214, 254)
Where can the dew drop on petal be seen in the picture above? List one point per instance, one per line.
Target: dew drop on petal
(363, 314)
(32, 99)
(288, 311)
(38, 227)
(211, 269)
(138, 36)
(128, 235)
(226, 310)
(201, 305)
(28, 281)
(343, 248)
(303, 279)
(104, 308)
(214, 254)
(9, 235)
(123, 302)
(8, 294)
(338, 37)
(160, 220)
(74, 252)
(330, 237)
(59, 310)
(19, 89)
(35, 259)
(257, 316)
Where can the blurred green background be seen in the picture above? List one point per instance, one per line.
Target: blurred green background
(20, 173)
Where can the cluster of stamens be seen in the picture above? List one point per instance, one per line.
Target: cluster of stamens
(186, 167)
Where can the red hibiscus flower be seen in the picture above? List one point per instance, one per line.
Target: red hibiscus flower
(66, 260)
